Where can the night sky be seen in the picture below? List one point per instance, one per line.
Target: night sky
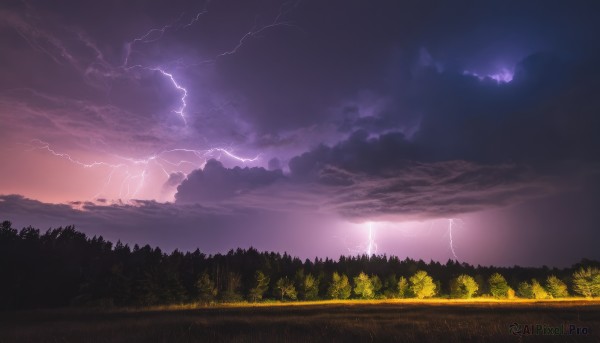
(464, 130)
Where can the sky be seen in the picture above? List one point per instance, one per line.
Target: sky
(433, 130)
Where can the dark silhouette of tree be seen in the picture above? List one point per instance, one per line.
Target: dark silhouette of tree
(231, 292)
(64, 267)
(207, 291)
(390, 287)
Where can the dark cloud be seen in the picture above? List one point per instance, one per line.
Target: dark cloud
(274, 164)
(435, 190)
(215, 182)
(366, 179)
(378, 109)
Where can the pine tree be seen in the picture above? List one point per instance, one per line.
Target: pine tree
(403, 288)
(206, 289)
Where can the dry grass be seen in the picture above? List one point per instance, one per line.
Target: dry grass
(410, 320)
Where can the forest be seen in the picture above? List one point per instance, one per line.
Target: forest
(63, 267)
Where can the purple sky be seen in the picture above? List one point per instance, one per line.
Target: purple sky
(295, 126)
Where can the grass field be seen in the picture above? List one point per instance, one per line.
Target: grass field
(327, 321)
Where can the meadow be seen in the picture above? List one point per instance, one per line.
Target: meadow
(409, 320)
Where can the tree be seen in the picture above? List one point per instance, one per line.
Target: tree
(403, 288)
(524, 290)
(206, 288)
(286, 288)
(340, 287)
(310, 287)
(586, 281)
(377, 285)
(232, 287)
(422, 285)
(391, 287)
(556, 287)
(498, 286)
(464, 286)
(363, 286)
(538, 290)
(261, 286)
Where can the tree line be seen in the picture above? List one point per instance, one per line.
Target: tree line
(64, 267)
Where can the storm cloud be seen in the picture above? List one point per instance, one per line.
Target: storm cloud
(233, 111)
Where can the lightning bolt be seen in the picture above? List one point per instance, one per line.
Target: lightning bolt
(157, 33)
(136, 169)
(180, 88)
(450, 225)
(255, 31)
(134, 172)
(371, 245)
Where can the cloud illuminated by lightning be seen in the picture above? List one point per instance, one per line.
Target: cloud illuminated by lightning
(502, 76)
(137, 169)
(131, 174)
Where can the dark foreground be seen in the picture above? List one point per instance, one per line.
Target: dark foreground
(329, 322)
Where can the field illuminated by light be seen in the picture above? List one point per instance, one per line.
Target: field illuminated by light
(406, 320)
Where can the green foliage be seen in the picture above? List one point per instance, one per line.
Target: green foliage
(92, 271)
(363, 286)
(498, 286)
(233, 283)
(556, 287)
(464, 286)
(207, 291)
(340, 287)
(422, 285)
(286, 288)
(390, 288)
(586, 282)
(261, 282)
(377, 285)
(403, 288)
(309, 288)
(533, 290)
(538, 290)
(524, 290)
